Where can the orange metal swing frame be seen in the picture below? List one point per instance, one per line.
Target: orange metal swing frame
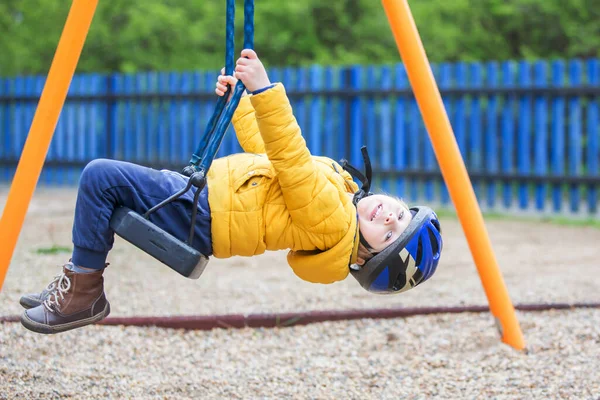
(428, 98)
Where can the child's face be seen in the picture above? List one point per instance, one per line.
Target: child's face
(382, 219)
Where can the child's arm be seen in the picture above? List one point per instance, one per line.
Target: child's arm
(313, 201)
(244, 122)
(246, 128)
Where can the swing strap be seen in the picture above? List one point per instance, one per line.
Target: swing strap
(218, 123)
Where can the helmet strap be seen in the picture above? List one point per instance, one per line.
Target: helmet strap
(365, 179)
(364, 191)
(364, 242)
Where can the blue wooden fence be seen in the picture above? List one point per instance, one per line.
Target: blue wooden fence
(528, 132)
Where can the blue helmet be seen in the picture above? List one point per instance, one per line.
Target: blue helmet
(409, 260)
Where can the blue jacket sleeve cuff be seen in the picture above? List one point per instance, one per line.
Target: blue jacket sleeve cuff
(264, 89)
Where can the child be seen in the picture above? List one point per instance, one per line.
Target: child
(275, 194)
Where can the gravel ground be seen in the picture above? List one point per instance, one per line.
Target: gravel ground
(419, 357)
(414, 358)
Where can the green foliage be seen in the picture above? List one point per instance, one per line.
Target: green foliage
(131, 36)
(53, 250)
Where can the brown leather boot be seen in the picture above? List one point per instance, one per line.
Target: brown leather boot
(31, 300)
(75, 300)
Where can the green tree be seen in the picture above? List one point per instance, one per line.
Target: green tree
(133, 36)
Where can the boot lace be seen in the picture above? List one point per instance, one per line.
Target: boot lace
(57, 289)
(52, 284)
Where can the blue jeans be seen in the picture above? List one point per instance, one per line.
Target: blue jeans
(107, 184)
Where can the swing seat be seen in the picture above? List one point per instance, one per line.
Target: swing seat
(160, 244)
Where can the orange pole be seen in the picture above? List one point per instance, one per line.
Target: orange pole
(42, 127)
(453, 168)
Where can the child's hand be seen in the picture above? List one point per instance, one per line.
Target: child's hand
(251, 71)
(222, 82)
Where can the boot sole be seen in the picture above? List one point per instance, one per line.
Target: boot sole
(49, 330)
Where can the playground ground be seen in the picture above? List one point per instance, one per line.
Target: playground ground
(436, 356)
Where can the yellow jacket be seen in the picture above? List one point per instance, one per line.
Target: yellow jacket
(277, 196)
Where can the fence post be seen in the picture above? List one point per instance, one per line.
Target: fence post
(5, 144)
(110, 109)
(558, 133)
(508, 129)
(315, 132)
(592, 129)
(474, 148)
(386, 129)
(328, 121)
(540, 133)
(345, 118)
(491, 145)
(524, 133)
(400, 110)
(446, 82)
(575, 132)
(355, 117)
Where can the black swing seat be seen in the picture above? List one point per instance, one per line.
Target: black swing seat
(160, 244)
